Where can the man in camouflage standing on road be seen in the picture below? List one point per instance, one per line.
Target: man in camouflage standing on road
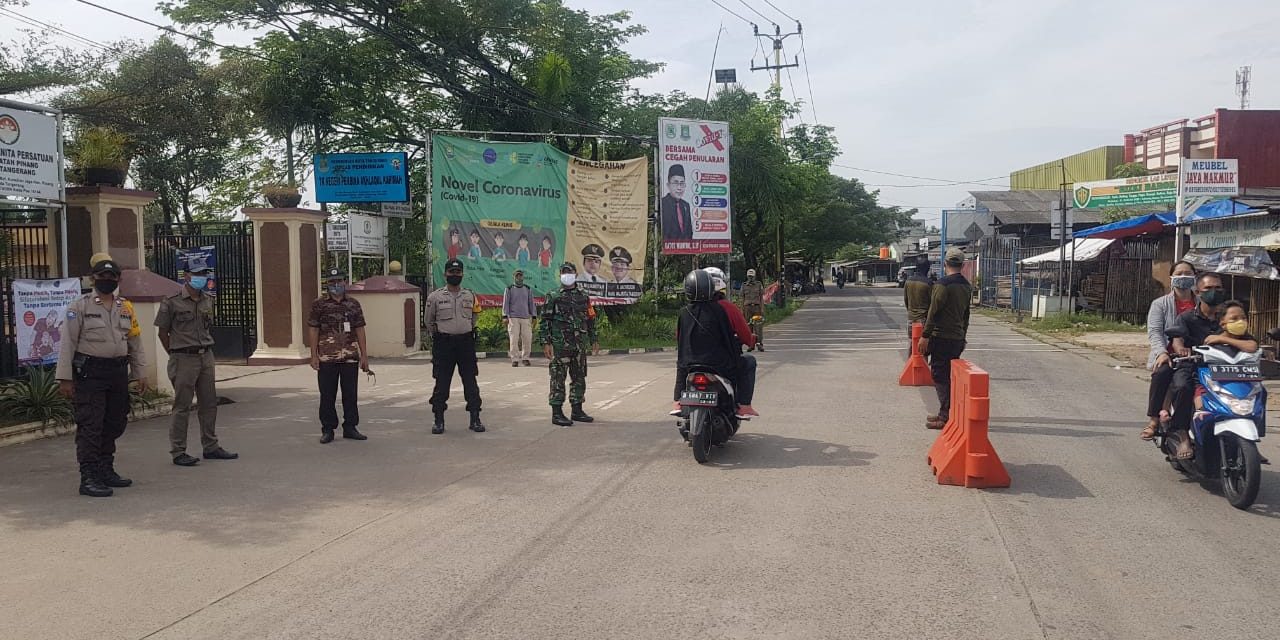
(567, 331)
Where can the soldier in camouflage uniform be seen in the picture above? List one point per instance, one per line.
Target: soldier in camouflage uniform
(336, 329)
(567, 331)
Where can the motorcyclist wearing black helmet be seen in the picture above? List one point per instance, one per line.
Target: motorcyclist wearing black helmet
(711, 332)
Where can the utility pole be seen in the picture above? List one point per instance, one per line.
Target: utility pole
(1062, 228)
(777, 39)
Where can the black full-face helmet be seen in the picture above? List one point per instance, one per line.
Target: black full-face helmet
(699, 286)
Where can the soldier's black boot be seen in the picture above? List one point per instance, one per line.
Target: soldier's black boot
(110, 477)
(476, 425)
(438, 427)
(558, 418)
(326, 436)
(91, 485)
(579, 415)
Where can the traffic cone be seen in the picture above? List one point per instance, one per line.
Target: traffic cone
(962, 455)
(917, 372)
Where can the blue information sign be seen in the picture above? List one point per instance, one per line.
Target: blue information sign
(362, 177)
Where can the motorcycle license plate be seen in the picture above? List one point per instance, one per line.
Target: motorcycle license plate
(699, 398)
(1233, 372)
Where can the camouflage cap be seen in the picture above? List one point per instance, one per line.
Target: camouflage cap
(568, 267)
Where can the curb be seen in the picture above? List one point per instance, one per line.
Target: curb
(31, 431)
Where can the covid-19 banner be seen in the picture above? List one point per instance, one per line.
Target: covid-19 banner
(694, 170)
(40, 308)
(506, 206)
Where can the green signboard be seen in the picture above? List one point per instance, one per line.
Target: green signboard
(1126, 192)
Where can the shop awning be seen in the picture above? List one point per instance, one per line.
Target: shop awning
(1129, 227)
(1086, 249)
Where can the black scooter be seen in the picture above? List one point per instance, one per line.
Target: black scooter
(708, 412)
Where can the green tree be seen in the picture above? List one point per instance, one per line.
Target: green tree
(1130, 170)
(183, 122)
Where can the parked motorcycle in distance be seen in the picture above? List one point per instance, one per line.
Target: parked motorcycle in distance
(1225, 434)
(708, 412)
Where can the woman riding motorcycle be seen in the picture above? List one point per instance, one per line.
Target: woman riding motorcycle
(711, 332)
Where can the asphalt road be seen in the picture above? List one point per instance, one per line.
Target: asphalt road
(819, 520)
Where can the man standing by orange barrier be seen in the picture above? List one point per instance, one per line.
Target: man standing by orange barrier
(945, 330)
(917, 295)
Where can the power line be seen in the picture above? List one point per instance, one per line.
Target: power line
(732, 13)
(784, 13)
(794, 97)
(37, 23)
(207, 41)
(813, 105)
(949, 182)
(753, 10)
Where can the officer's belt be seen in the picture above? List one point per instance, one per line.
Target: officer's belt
(103, 362)
(450, 336)
(194, 351)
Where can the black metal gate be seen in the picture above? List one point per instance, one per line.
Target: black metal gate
(235, 324)
(24, 253)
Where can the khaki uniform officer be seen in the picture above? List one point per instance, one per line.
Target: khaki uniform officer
(101, 342)
(451, 319)
(185, 322)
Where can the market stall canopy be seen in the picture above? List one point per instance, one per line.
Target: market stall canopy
(1253, 262)
(1155, 222)
(1086, 249)
(1129, 227)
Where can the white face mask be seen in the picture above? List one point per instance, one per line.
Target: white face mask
(567, 279)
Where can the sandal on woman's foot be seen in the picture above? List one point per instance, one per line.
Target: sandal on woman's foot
(1149, 433)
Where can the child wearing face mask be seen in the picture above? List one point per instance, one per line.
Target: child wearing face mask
(1235, 332)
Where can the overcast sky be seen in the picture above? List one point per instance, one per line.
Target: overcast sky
(950, 89)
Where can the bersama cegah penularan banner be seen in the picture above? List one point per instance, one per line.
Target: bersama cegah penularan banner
(694, 212)
(503, 206)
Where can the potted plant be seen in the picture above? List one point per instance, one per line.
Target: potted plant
(282, 196)
(100, 156)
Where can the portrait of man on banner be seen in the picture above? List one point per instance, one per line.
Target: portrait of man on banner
(677, 214)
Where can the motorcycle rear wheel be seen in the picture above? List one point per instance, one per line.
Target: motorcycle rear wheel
(700, 435)
(1241, 471)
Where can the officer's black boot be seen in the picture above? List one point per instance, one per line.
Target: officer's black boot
(558, 418)
(90, 484)
(476, 425)
(110, 477)
(326, 436)
(579, 415)
(438, 427)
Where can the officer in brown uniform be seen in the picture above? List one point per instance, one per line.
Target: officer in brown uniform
(101, 343)
(185, 323)
(451, 319)
(338, 354)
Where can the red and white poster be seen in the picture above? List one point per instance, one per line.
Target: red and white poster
(694, 213)
(40, 308)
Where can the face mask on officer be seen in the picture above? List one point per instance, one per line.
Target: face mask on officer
(199, 282)
(454, 279)
(337, 288)
(568, 279)
(105, 286)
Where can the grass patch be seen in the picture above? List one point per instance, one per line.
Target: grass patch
(1081, 323)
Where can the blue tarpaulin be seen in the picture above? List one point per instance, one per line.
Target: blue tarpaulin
(1154, 222)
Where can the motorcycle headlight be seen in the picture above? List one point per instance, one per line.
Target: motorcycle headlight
(1240, 407)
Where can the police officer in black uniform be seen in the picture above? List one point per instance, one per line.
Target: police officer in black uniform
(101, 342)
(451, 318)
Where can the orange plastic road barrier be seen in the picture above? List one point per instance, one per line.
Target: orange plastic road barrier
(917, 372)
(962, 454)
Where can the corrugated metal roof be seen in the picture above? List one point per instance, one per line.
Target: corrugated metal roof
(1032, 206)
(1086, 249)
